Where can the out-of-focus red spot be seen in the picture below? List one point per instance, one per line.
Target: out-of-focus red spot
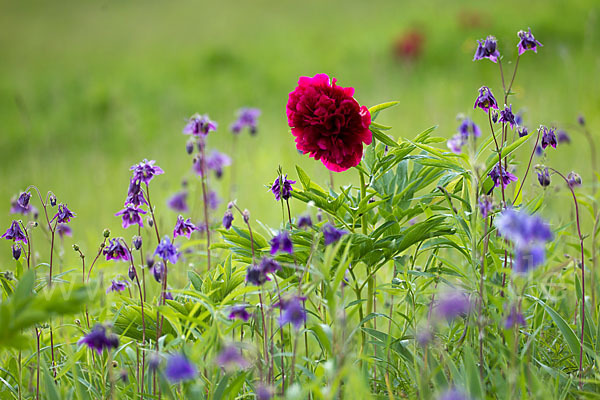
(409, 46)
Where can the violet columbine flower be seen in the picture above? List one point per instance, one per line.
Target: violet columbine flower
(331, 234)
(281, 242)
(501, 176)
(131, 216)
(64, 230)
(184, 227)
(263, 392)
(455, 143)
(227, 219)
(452, 305)
(563, 137)
(213, 200)
(167, 250)
(231, 358)
(539, 151)
(485, 206)
(168, 296)
(247, 117)
(157, 270)
(469, 128)
(15, 208)
(23, 199)
(453, 394)
(573, 179)
(548, 137)
(304, 221)
(507, 117)
(16, 251)
(528, 257)
(145, 171)
(215, 161)
(514, 318)
(256, 276)
(581, 120)
(282, 191)
(519, 118)
(522, 131)
(98, 340)
(135, 194)
(116, 286)
(115, 250)
(521, 228)
(269, 266)
(179, 369)
(178, 202)
(487, 49)
(63, 215)
(199, 125)
(544, 177)
(15, 233)
(239, 312)
(293, 312)
(527, 42)
(485, 100)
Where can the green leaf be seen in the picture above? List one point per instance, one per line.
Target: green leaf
(383, 138)
(304, 178)
(374, 111)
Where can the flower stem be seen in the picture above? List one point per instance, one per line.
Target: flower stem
(205, 201)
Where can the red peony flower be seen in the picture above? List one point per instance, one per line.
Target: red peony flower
(328, 122)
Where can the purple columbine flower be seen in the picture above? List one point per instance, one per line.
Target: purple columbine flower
(485, 100)
(304, 221)
(247, 117)
(135, 194)
(527, 42)
(168, 296)
(184, 227)
(157, 271)
(263, 392)
(281, 242)
(239, 312)
(63, 215)
(145, 171)
(227, 219)
(231, 358)
(453, 394)
(98, 340)
(581, 120)
(455, 143)
(507, 117)
(15, 233)
(563, 137)
(199, 125)
(256, 276)
(167, 250)
(485, 206)
(331, 234)
(213, 200)
(282, 191)
(487, 49)
(116, 286)
(15, 208)
(500, 176)
(293, 312)
(115, 251)
(544, 177)
(528, 257)
(179, 369)
(469, 128)
(522, 228)
(573, 179)
(452, 305)
(23, 199)
(215, 161)
(131, 216)
(178, 202)
(64, 230)
(539, 151)
(548, 137)
(519, 118)
(522, 131)
(514, 318)
(16, 251)
(269, 266)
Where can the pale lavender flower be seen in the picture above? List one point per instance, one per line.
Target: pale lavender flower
(98, 340)
(116, 286)
(331, 234)
(215, 161)
(231, 358)
(452, 305)
(293, 312)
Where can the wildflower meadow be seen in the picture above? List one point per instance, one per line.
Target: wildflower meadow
(304, 240)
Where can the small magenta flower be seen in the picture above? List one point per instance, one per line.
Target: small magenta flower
(64, 230)
(293, 312)
(548, 137)
(331, 234)
(98, 340)
(563, 137)
(573, 179)
(145, 171)
(256, 276)
(247, 117)
(507, 117)
(184, 227)
(269, 266)
(167, 250)
(132, 215)
(15, 233)
(282, 191)
(469, 128)
(455, 143)
(231, 358)
(63, 215)
(239, 312)
(23, 199)
(135, 194)
(281, 242)
(199, 125)
(452, 305)
(486, 99)
(304, 221)
(227, 219)
(178, 202)
(179, 369)
(527, 42)
(544, 177)
(115, 251)
(500, 176)
(514, 318)
(215, 161)
(16, 251)
(487, 49)
(116, 286)
(485, 206)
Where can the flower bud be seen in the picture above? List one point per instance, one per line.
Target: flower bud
(150, 222)
(246, 215)
(132, 274)
(574, 179)
(157, 271)
(494, 116)
(137, 242)
(16, 251)
(581, 120)
(106, 233)
(76, 247)
(53, 200)
(544, 177)
(227, 219)
(189, 146)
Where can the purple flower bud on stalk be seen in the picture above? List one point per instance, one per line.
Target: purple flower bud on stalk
(527, 42)
(53, 200)
(131, 273)
(179, 369)
(189, 146)
(227, 219)
(246, 215)
(523, 131)
(63, 215)
(581, 120)
(574, 179)
(281, 242)
(145, 171)
(131, 215)
(15, 233)
(16, 251)
(184, 227)
(23, 199)
(137, 242)
(494, 116)
(157, 271)
(167, 250)
(539, 151)
(178, 202)
(544, 177)
(168, 296)
(116, 286)
(485, 100)
(487, 49)
(331, 234)
(135, 195)
(485, 206)
(282, 191)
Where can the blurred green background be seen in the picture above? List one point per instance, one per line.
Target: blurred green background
(89, 88)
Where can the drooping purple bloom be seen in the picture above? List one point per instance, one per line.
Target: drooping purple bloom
(116, 286)
(98, 340)
(331, 234)
(282, 242)
(455, 143)
(247, 117)
(131, 215)
(563, 137)
(453, 394)
(486, 99)
(452, 305)
(507, 117)
(131, 272)
(184, 227)
(157, 271)
(539, 151)
(544, 177)
(282, 191)
(239, 312)
(263, 392)
(15, 233)
(178, 202)
(269, 266)
(213, 200)
(527, 42)
(528, 257)
(231, 358)
(256, 276)
(135, 194)
(23, 199)
(137, 242)
(199, 125)
(168, 296)
(514, 318)
(63, 215)
(115, 250)
(548, 137)
(487, 49)
(485, 206)
(522, 131)
(573, 179)
(227, 219)
(167, 250)
(521, 228)
(16, 251)
(469, 128)
(215, 161)
(501, 176)
(64, 230)
(304, 221)
(16, 208)
(189, 146)
(179, 369)
(293, 312)
(519, 118)
(145, 171)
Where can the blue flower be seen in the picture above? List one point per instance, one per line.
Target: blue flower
(15, 233)
(282, 191)
(179, 369)
(331, 234)
(293, 312)
(487, 49)
(453, 304)
(178, 202)
(98, 340)
(167, 250)
(281, 242)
